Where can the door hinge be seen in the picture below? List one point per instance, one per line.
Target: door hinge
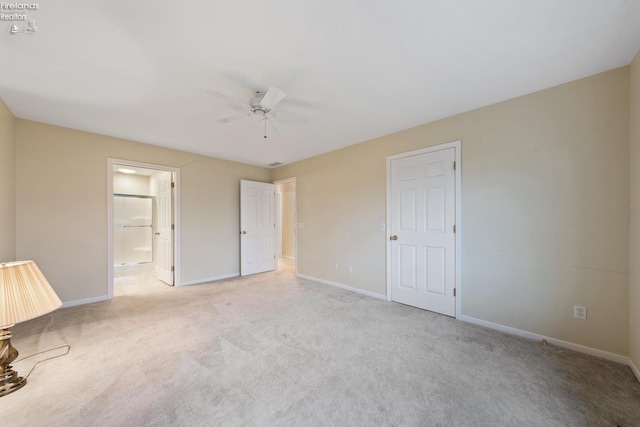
(173, 227)
(173, 268)
(454, 165)
(173, 185)
(454, 292)
(454, 228)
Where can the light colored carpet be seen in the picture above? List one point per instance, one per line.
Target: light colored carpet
(271, 349)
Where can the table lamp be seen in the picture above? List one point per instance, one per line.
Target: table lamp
(24, 295)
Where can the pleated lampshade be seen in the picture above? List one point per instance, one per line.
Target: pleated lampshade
(24, 293)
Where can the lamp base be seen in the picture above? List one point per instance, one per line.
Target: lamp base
(9, 379)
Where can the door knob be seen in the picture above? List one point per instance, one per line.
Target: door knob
(243, 232)
(157, 234)
(394, 237)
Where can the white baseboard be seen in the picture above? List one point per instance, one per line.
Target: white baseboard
(553, 341)
(635, 370)
(84, 301)
(345, 287)
(209, 279)
(105, 298)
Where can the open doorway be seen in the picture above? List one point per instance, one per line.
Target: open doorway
(286, 220)
(142, 219)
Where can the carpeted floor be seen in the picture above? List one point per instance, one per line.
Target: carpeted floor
(271, 349)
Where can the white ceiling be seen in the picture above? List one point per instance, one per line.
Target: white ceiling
(357, 69)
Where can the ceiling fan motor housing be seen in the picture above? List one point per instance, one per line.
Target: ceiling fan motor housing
(258, 109)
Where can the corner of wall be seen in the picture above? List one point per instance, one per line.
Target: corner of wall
(7, 184)
(634, 227)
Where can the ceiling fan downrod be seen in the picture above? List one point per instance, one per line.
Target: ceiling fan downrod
(264, 119)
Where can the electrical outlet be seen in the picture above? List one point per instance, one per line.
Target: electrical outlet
(336, 264)
(350, 269)
(580, 312)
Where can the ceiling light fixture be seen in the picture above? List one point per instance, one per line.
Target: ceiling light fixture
(261, 106)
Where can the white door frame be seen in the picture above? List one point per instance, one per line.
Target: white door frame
(295, 214)
(457, 145)
(176, 216)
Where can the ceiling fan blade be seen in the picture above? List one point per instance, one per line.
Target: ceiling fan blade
(272, 97)
(234, 118)
(291, 117)
(226, 98)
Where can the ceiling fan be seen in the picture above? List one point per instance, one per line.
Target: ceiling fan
(261, 105)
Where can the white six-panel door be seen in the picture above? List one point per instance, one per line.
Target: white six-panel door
(164, 232)
(257, 227)
(422, 250)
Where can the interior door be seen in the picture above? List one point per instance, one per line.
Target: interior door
(165, 227)
(257, 227)
(422, 231)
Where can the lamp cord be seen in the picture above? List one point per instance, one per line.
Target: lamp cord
(67, 347)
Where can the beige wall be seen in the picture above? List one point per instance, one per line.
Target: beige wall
(545, 184)
(7, 186)
(62, 206)
(634, 256)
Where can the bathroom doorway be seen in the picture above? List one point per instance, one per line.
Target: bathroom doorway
(143, 226)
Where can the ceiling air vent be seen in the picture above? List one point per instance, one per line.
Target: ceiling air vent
(274, 164)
